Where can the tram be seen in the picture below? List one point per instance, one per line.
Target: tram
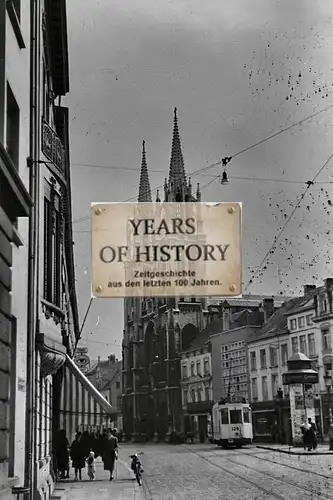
(231, 424)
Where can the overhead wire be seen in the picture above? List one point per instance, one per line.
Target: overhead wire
(278, 236)
(218, 163)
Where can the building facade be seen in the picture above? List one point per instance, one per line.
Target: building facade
(41, 389)
(15, 212)
(302, 325)
(196, 383)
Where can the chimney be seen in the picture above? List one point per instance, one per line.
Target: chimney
(268, 308)
(328, 283)
(307, 289)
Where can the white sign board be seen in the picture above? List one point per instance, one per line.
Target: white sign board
(166, 249)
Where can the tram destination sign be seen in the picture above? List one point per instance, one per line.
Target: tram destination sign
(166, 249)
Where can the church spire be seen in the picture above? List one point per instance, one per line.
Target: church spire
(177, 175)
(144, 187)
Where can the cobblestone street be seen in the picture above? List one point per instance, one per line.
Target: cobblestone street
(203, 471)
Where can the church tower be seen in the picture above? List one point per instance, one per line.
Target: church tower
(144, 186)
(177, 188)
(156, 330)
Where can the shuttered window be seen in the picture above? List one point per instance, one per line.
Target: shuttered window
(52, 245)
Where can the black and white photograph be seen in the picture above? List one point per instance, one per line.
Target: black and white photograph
(166, 249)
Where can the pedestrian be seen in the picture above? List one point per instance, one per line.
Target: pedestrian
(91, 466)
(313, 433)
(61, 449)
(110, 452)
(307, 437)
(78, 456)
(275, 432)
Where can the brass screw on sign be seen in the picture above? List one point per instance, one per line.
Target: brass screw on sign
(232, 288)
(231, 210)
(98, 211)
(98, 289)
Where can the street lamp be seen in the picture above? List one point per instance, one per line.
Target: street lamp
(328, 384)
(224, 179)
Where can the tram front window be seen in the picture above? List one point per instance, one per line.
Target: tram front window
(224, 416)
(235, 416)
(246, 414)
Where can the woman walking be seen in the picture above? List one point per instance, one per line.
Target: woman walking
(110, 453)
(78, 456)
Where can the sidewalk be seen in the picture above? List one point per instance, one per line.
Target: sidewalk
(123, 487)
(322, 449)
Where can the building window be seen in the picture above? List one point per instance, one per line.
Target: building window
(46, 94)
(207, 394)
(199, 391)
(302, 344)
(301, 322)
(185, 397)
(192, 369)
(117, 385)
(52, 246)
(12, 127)
(264, 388)
(184, 367)
(193, 395)
(326, 336)
(263, 363)
(312, 344)
(294, 345)
(274, 385)
(284, 354)
(206, 367)
(198, 367)
(293, 324)
(322, 304)
(309, 320)
(273, 356)
(253, 361)
(254, 388)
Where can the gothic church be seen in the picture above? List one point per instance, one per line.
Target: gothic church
(157, 330)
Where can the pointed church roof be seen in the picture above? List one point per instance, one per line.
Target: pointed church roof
(177, 173)
(144, 186)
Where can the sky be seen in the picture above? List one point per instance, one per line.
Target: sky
(238, 72)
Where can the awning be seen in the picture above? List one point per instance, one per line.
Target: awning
(82, 406)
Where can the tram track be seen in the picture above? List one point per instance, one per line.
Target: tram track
(271, 476)
(270, 492)
(265, 459)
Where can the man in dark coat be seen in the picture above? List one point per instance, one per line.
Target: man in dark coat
(110, 452)
(313, 434)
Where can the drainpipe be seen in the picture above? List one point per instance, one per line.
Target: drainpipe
(32, 267)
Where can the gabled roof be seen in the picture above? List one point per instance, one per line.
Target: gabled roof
(277, 323)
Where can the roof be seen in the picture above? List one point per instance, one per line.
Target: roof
(216, 327)
(299, 356)
(277, 323)
(204, 335)
(248, 300)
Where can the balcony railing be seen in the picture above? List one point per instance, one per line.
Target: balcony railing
(52, 147)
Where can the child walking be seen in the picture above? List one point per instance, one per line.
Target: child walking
(78, 456)
(91, 465)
